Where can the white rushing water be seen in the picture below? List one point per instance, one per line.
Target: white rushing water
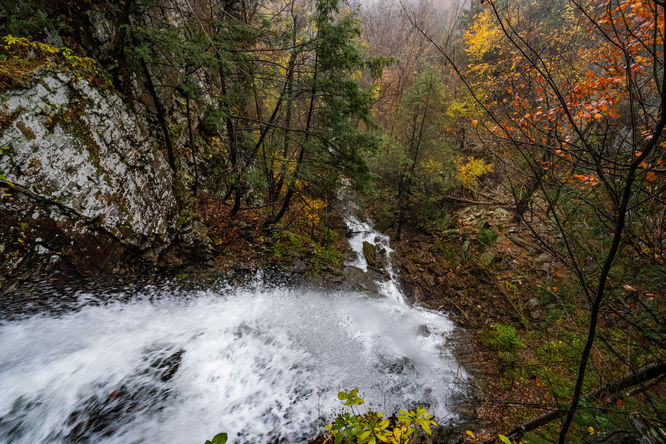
(363, 232)
(261, 363)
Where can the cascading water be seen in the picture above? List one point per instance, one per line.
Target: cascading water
(363, 232)
(262, 363)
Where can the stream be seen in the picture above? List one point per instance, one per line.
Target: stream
(261, 362)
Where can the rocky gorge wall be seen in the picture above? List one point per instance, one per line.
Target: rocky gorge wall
(84, 184)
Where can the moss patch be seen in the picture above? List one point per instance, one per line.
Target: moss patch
(21, 57)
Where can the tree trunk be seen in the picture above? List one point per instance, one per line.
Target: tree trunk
(161, 116)
(404, 189)
(119, 45)
(301, 153)
(640, 376)
(194, 151)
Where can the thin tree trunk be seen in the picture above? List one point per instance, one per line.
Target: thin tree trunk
(605, 271)
(161, 117)
(615, 246)
(286, 144)
(403, 192)
(301, 153)
(640, 376)
(233, 146)
(119, 50)
(191, 141)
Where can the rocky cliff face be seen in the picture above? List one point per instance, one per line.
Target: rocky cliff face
(84, 182)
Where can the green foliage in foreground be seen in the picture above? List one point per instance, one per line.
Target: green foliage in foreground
(351, 428)
(220, 438)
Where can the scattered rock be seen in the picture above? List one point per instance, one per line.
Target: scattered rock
(544, 261)
(522, 244)
(370, 254)
(299, 267)
(429, 279)
(357, 278)
(194, 242)
(502, 213)
(417, 293)
(409, 267)
(424, 330)
(487, 257)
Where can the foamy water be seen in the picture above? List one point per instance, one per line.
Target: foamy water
(261, 363)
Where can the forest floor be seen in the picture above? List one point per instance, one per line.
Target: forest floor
(241, 243)
(492, 278)
(517, 303)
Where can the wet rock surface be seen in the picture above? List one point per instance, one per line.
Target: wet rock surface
(356, 277)
(370, 254)
(100, 416)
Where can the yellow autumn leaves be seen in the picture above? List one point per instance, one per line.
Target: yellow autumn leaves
(471, 171)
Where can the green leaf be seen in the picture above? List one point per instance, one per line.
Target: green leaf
(342, 396)
(581, 420)
(504, 439)
(220, 438)
(601, 420)
(425, 424)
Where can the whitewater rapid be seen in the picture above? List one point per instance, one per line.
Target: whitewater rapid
(263, 363)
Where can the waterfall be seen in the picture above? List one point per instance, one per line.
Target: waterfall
(261, 362)
(363, 232)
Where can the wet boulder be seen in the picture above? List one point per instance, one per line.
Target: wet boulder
(372, 255)
(358, 279)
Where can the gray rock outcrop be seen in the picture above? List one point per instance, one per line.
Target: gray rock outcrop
(82, 178)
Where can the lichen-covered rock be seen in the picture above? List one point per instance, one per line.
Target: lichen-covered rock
(84, 178)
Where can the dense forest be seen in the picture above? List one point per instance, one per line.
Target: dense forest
(513, 150)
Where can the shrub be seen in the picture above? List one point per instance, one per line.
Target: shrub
(487, 236)
(353, 428)
(503, 338)
(469, 173)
